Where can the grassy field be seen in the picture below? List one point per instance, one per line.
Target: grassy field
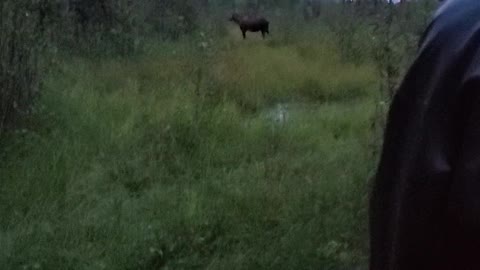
(206, 153)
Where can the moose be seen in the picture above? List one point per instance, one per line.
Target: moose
(252, 24)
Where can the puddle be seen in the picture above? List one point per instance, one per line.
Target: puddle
(279, 114)
(283, 113)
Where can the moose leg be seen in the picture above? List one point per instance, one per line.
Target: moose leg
(244, 34)
(263, 34)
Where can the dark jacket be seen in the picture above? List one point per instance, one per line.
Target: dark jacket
(425, 204)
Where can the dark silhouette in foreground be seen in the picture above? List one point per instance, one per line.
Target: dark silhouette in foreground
(252, 24)
(425, 205)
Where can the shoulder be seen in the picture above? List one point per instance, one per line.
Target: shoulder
(454, 29)
(454, 36)
(455, 19)
(449, 49)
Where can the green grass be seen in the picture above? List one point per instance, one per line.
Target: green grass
(142, 163)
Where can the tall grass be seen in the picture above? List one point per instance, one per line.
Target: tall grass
(136, 164)
(258, 74)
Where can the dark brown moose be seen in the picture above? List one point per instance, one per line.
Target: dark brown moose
(252, 24)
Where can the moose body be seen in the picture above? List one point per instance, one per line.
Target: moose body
(256, 24)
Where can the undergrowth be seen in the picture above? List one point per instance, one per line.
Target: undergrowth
(179, 159)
